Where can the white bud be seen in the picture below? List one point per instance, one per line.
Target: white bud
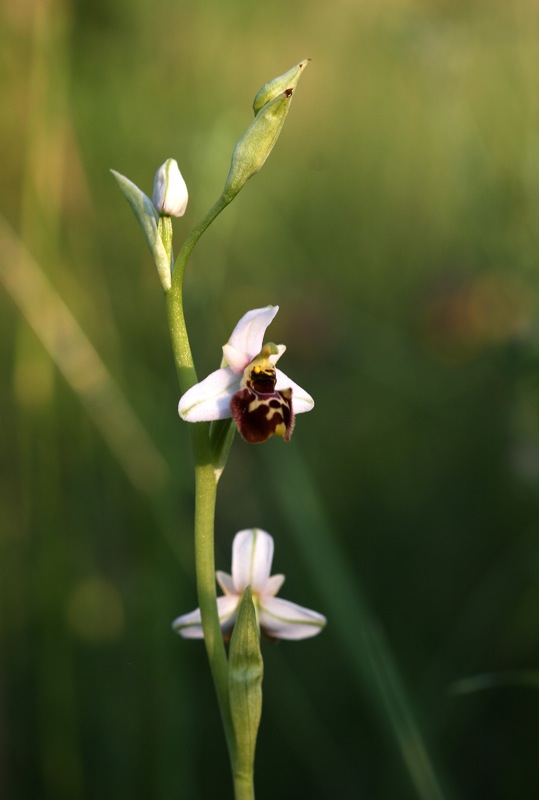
(169, 190)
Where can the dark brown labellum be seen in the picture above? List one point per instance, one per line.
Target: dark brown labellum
(260, 411)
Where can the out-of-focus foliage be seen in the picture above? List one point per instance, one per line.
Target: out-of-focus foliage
(396, 224)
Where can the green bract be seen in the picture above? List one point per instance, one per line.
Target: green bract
(148, 218)
(245, 672)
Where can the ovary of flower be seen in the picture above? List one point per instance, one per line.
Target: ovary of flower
(252, 556)
(248, 386)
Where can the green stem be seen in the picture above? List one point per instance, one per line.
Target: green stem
(194, 236)
(205, 496)
(205, 485)
(206, 491)
(244, 787)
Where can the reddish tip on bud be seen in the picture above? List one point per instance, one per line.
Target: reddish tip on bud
(285, 82)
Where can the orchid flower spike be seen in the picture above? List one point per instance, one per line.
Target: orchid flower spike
(252, 555)
(248, 387)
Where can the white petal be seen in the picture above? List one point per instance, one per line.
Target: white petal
(225, 582)
(273, 585)
(285, 620)
(301, 400)
(190, 625)
(235, 359)
(252, 554)
(210, 399)
(248, 335)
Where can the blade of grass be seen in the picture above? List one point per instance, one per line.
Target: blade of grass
(360, 637)
(523, 678)
(80, 364)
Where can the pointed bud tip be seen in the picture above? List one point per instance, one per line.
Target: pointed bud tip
(287, 80)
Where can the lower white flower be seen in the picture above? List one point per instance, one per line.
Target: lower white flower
(248, 387)
(252, 555)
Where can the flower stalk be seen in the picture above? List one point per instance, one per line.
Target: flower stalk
(194, 236)
(206, 490)
(206, 479)
(205, 498)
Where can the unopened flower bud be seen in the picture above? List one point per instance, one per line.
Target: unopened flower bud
(169, 190)
(288, 80)
(257, 142)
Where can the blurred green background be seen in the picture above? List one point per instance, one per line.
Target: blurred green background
(397, 225)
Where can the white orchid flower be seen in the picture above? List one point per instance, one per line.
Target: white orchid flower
(252, 555)
(248, 387)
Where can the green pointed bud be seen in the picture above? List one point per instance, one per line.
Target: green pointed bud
(170, 194)
(148, 218)
(257, 143)
(245, 671)
(289, 80)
